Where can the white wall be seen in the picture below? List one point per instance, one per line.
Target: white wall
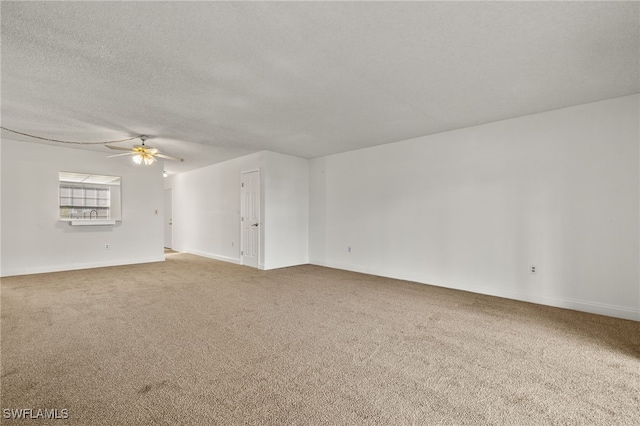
(1, 208)
(206, 209)
(286, 216)
(472, 209)
(34, 240)
(168, 181)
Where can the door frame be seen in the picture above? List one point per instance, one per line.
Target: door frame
(242, 215)
(165, 218)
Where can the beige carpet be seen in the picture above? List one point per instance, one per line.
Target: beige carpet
(196, 341)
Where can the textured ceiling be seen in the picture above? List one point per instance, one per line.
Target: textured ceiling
(211, 81)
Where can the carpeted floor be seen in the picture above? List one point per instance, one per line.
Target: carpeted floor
(197, 341)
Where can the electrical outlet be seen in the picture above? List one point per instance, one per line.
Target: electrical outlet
(533, 269)
(106, 246)
(349, 249)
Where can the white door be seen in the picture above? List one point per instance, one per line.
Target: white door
(168, 218)
(250, 218)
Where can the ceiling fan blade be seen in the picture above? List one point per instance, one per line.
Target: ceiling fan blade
(169, 157)
(118, 148)
(120, 155)
(152, 151)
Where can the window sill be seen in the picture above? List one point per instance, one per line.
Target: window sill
(91, 222)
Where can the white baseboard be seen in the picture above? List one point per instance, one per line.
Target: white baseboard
(271, 266)
(558, 302)
(213, 256)
(77, 266)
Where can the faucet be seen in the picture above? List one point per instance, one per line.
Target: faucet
(91, 212)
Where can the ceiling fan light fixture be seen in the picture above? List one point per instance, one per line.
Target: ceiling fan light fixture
(143, 157)
(142, 154)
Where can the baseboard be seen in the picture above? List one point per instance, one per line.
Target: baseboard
(268, 267)
(78, 266)
(212, 256)
(558, 302)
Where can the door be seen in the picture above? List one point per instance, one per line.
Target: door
(250, 218)
(168, 218)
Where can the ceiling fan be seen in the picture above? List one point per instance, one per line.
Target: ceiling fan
(143, 153)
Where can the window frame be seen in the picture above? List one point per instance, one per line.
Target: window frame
(89, 197)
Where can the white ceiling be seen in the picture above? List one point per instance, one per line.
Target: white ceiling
(211, 81)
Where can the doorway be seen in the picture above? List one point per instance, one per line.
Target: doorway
(168, 218)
